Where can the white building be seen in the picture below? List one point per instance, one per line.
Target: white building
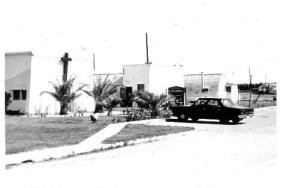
(153, 78)
(26, 76)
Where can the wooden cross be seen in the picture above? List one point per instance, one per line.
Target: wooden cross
(65, 59)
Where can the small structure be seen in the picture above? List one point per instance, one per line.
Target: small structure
(153, 78)
(210, 85)
(27, 75)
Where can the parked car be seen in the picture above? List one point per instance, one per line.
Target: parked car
(222, 109)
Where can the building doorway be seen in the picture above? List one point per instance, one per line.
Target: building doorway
(178, 93)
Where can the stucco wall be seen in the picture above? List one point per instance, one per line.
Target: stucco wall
(156, 78)
(45, 71)
(136, 74)
(17, 77)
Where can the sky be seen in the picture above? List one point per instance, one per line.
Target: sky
(202, 35)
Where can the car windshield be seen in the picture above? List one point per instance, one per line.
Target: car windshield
(228, 102)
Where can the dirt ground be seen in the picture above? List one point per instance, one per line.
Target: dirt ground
(214, 155)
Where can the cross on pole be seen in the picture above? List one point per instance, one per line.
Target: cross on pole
(65, 59)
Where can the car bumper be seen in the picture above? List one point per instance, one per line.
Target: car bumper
(245, 116)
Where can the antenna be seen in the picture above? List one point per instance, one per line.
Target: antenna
(93, 62)
(146, 41)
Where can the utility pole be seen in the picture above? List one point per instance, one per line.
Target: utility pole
(146, 41)
(94, 63)
(65, 59)
(250, 87)
(202, 82)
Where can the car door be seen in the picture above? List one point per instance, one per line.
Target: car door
(213, 109)
(201, 108)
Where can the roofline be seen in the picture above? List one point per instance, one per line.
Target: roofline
(136, 64)
(19, 53)
(161, 65)
(203, 74)
(99, 74)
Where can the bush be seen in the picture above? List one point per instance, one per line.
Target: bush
(155, 105)
(137, 114)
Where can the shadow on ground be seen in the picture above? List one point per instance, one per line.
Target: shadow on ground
(202, 122)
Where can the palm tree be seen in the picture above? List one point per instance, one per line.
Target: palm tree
(155, 104)
(63, 94)
(101, 91)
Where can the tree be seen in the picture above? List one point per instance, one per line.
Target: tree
(8, 100)
(101, 91)
(155, 104)
(63, 94)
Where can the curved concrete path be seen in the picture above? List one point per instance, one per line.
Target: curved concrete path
(91, 143)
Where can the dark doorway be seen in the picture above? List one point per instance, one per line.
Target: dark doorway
(178, 93)
(125, 94)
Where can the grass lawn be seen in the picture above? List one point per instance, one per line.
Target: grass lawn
(25, 134)
(136, 131)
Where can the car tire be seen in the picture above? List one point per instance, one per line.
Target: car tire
(236, 120)
(194, 119)
(183, 117)
(224, 121)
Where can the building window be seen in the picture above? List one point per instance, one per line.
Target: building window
(16, 94)
(228, 89)
(140, 87)
(205, 90)
(24, 94)
(19, 94)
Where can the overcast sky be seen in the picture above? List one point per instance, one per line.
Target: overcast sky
(202, 35)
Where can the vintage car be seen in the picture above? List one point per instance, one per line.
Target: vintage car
(222, 109)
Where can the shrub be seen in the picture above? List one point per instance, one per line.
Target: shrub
(137, 114)
(155, 105)
(110, 103)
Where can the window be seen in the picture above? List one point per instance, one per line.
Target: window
(24, 94)
(16, 94)
(204, 90)
(228, 89)
(213, 103)
(201, 102)
(140, 87)
(19, 94)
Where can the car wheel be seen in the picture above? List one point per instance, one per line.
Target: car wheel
(224, 121)
(194, 119)
(236, 120)
(182, 117)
